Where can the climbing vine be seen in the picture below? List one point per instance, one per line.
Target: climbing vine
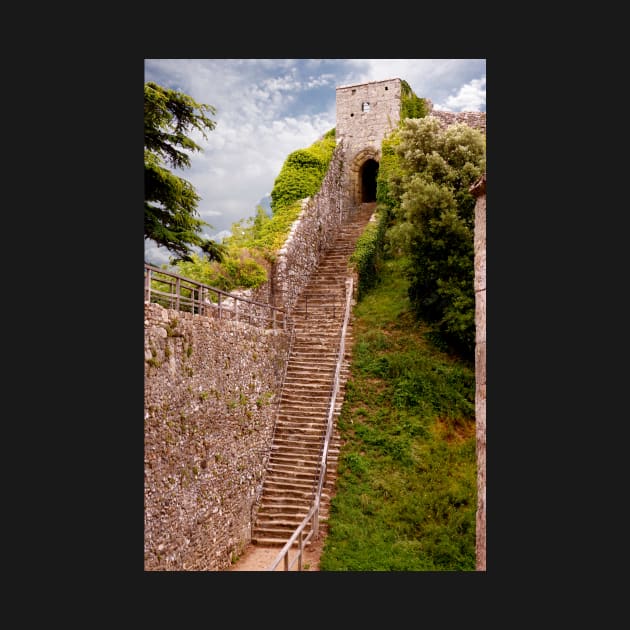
(367, 254)
(254, 241)
(411, 106)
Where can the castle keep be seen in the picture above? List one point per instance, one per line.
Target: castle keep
(366, 113)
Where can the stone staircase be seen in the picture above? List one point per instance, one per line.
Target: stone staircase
(292, 474)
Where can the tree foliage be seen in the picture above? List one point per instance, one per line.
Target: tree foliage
(171, 218)
(302, 172)
(239, 268)
(427, 190)
(254, 241)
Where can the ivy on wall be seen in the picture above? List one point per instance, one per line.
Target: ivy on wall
(411, 106)
(367, 253)
(301, 176)
(302, 173)
(255, 240)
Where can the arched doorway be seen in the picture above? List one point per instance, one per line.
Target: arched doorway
(367, 178)
(362, 175)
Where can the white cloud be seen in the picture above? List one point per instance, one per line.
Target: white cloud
(470, 97)
(268, 108)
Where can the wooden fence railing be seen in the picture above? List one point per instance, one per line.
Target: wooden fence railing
(171, 290)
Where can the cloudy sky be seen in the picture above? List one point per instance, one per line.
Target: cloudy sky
(268, 108)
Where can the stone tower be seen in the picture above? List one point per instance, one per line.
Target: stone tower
(366, 113)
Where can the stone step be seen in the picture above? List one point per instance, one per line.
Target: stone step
(293, 472)
(312, 444)
(304, 459)
(314, 400)
(294, 485)
(306, 463)
(303, 375)
(289, 451)
(308, 381)
(281, 531)
(296, 493)
(294, 461)
(283, 503)
(276, 541)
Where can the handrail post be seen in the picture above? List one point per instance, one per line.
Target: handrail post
(147, 285)
(316, 519)
(301, 547)
(169, 290)
(314, 511)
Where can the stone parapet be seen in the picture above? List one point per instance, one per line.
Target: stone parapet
(210, 396)
(476, 120)
(311, 234)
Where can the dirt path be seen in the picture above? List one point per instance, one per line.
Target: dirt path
(257, 558)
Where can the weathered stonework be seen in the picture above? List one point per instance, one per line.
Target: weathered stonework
(359, 133)
(476, 120)
(366, 113)
(311, 234)
(478, 189)
(209, 405)
(211, 384)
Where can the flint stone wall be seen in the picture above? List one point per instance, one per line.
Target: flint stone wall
(479, 190)
(366, 113)
(210, 397)
(211, 385)
(476, 120)
(311, 234)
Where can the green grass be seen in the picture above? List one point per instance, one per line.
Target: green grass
(406, 486)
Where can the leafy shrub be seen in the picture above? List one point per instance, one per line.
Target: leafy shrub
(425, 183)
(411, 106)
(302, 173)
(367, 254)
(254, 241)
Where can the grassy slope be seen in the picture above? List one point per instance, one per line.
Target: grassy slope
(406, 488)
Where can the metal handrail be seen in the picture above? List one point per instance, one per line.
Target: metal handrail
(313, 513)
(193, 296)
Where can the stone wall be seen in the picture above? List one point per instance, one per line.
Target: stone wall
(359, 135)
(211, 385)
(476, 120)
(479, 190)
(366, 113)
(311, 234)
(210, 398)
(210, 392)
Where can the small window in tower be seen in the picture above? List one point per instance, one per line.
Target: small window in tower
(386, 88)
(365, 107)
(353, 91)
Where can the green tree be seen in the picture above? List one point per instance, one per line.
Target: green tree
(434, 224)
(171, 218)
(254, 241)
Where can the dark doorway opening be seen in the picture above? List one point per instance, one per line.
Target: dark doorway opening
(368, 174)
